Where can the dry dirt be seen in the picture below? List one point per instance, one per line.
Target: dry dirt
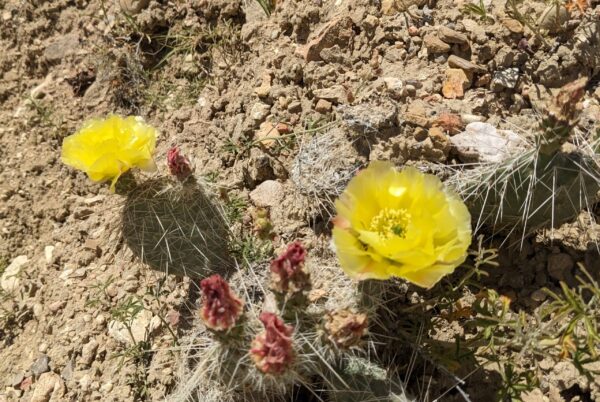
(214, 76)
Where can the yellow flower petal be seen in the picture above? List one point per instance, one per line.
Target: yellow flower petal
(107, 148)
(400, 223)
(355, 261)
(427, 278)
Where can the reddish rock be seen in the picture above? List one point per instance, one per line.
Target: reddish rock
(450, 122)
(323, 106)
(434, 44)
(283, 128)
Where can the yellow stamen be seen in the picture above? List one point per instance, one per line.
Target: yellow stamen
(390, 222)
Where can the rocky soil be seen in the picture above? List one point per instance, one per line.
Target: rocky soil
(256, 101)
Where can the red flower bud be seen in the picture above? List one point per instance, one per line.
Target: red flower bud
(220, 307)
(287, 270)
(179, 165)
(272, 350)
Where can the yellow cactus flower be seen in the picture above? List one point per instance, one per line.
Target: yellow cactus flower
(400, 223)
(107, 148)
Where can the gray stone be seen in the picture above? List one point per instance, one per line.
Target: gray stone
(504, 58)
(586, 45)
(505, 79)
(295, 107)
(369, 117)
(40, 366)
(67, 372)
(67, 45)
(560, 266)
(458, 62)
(391, 7)
(88, 353)
(16, 380)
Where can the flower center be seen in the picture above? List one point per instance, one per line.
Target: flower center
(390, 222)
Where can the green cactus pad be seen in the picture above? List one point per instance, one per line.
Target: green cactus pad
(176, 228)
(531, 191)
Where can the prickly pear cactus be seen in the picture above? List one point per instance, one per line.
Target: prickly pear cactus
(175, 227)
(532, 192)
(356, 379)
(543, 187)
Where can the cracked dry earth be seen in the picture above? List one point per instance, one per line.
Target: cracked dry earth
(385, 79)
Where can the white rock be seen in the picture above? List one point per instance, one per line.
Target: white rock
(94, 200)
(84, 382)
(39, 91)
(48, 252)
(260, 111)
(393, 83)
(10, 278)
(268, 194)
(482, 142)
(38, 310)
(141, 327)
(64, 275)
(471, 118)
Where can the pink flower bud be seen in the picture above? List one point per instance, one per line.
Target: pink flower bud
(287, 270)
(179, 165)
(272, 350)
(221, 308)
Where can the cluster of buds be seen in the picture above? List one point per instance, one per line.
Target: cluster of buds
(262, 224)
(272, 350)
(287, 270)
(221, 308)
(345, 328)
(178, 164)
